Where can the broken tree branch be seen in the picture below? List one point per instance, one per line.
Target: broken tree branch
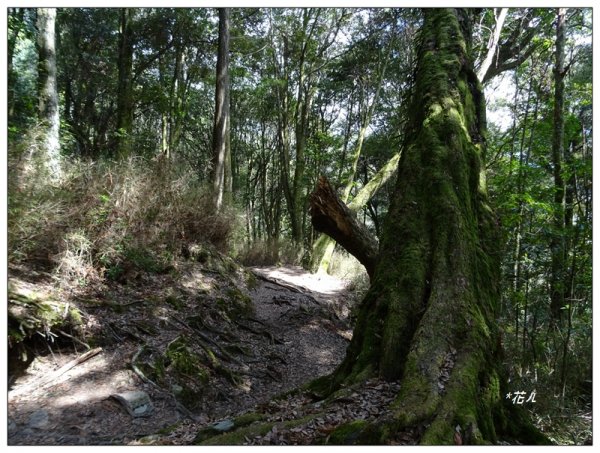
(331, 216)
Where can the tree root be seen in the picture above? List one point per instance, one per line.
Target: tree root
(201, 338)
(75, 339)
(266, 333)
(139, 372)
(216, 365)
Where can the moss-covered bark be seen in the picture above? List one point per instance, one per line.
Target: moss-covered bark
(429, 317)
(125, 102)
(35, 316)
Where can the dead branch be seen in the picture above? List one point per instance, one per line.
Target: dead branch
(331, 216)
(49, 380)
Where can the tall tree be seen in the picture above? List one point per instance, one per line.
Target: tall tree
(221, 125)
(125, 88)
(48, 93)
(557, 243)
(429, 317)
(303, 41)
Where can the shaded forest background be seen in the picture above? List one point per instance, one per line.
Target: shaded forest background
(131, 183)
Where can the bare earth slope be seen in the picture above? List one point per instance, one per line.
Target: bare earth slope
(292, 329)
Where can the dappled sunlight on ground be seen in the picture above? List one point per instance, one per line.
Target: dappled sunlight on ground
(295, 275)
(76, 408)
(297, 331)
(197, 281)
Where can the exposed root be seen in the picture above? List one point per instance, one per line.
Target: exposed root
(75, 339)
(266, 333)
(137, 370)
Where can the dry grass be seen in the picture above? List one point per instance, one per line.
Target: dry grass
(270, 253)
(103, 217)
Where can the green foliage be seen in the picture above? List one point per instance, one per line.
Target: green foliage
(521, 181)
(22, 74)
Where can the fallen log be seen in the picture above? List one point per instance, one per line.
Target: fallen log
(48, 380)
(330, 215)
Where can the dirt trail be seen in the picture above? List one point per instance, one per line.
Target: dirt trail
(298, 332)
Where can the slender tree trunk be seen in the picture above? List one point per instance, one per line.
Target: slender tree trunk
(221, 125)
(178, 92)
(429, 318)
(557, 246)
(283, 124)
(519, 297)
(16, 14)
(514, 129)
(125, 87)
(303, 109)
(228, 170)
(347, 136)
(48, 93)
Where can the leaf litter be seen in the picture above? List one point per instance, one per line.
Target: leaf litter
(205, 344)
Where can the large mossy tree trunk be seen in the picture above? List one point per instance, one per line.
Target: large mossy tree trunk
(429, 318)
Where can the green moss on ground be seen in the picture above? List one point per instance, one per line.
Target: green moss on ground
(248, 426)
(350, 433)
(30, 313)
(247, 419)
(236, 437)
(186, 373)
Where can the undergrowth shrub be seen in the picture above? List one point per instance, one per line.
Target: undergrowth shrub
(104, 217)
(269, 253)
(345, 266)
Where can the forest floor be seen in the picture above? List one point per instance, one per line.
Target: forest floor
(297, 330)
(251, 339)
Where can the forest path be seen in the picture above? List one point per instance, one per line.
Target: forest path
(299, 330)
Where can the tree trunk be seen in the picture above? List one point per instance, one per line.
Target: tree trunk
(221, 125)
(493, 44)
(178, 93)
(125, 87)
(514, 49)
(429, 318)
(330, 215)
(305, 94)
(557, 245)
(323, 242)
(48, 93)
